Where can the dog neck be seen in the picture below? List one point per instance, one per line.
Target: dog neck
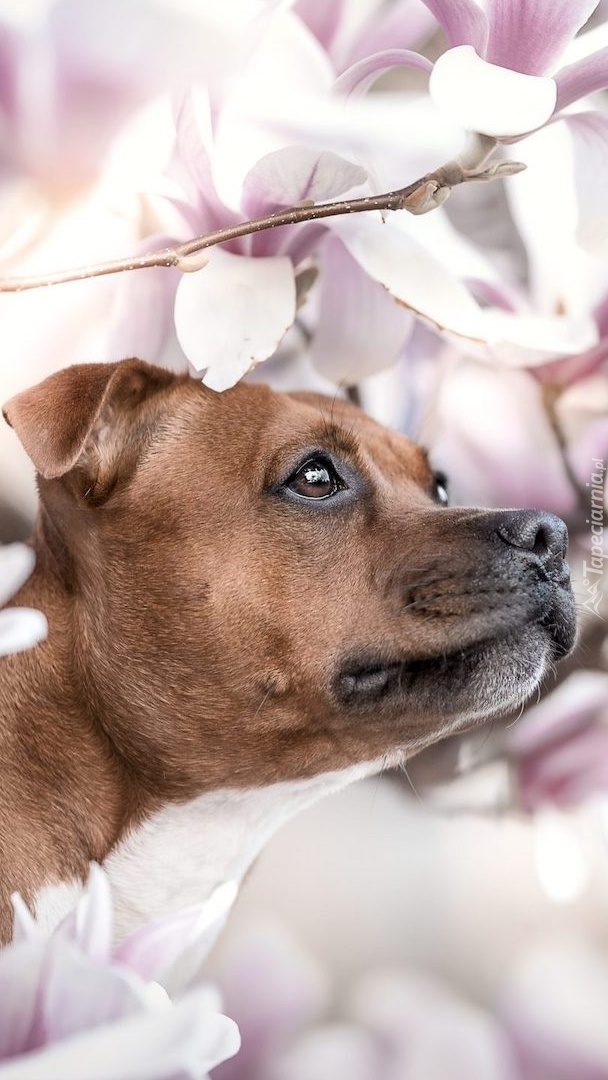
(99, 809)
(216, 836)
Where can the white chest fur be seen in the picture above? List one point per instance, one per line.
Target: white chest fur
(179, 856)
(182, 853)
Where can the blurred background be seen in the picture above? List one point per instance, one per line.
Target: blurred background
(449, 921)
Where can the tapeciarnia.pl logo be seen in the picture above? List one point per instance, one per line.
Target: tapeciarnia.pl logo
(593, 571)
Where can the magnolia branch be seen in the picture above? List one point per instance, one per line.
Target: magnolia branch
(425, 194)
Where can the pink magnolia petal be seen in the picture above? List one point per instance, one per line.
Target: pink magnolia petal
(569, 773)
(183, 1040)
(274, 990)
(571, 708)
(141, 319)
(581, 78)
(25, 926)
(363, 73)
(462, 21)
(371, 329)
(21, 971)
(193, 152)
(20, 629)
(155, 949)
(89, 924)
(489, 462)
(411, 274)
(589, 132)
(488, 98)
(233, 314)
(294, 174)
(600, 314)
(400, 25)
(323, 20)
(530, 35)
(77, 995)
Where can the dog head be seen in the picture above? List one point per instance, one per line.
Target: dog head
(265, 586)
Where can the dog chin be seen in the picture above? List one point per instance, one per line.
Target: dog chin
(488, 679)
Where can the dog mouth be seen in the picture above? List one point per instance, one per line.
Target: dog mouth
(488, 676)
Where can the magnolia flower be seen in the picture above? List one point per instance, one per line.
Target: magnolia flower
(493, 77)
(20, 628)
(234, 312)
(73, 1010)
(74, 70)
(559, 750)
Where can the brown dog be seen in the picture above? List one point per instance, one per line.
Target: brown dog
(253, 598)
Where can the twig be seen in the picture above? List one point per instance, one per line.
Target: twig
(425, 194)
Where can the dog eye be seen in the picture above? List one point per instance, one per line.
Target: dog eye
(440, 481)
(315, 479)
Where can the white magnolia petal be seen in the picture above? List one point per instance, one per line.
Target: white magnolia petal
(171, 948)
(25, 926)
(20, 629)
(77, 994)
(21, 970)
(233, 314)
(371, 329)
(487, 98)
(16, 564)
(589, 133)
(562, 276)
(184, 1040)
(412, 275)
(299, 67)
(89, 924)
(528, 340)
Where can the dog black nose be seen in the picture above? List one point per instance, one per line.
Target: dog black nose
(537, 531)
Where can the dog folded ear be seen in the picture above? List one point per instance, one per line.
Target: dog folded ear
(81, 416)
